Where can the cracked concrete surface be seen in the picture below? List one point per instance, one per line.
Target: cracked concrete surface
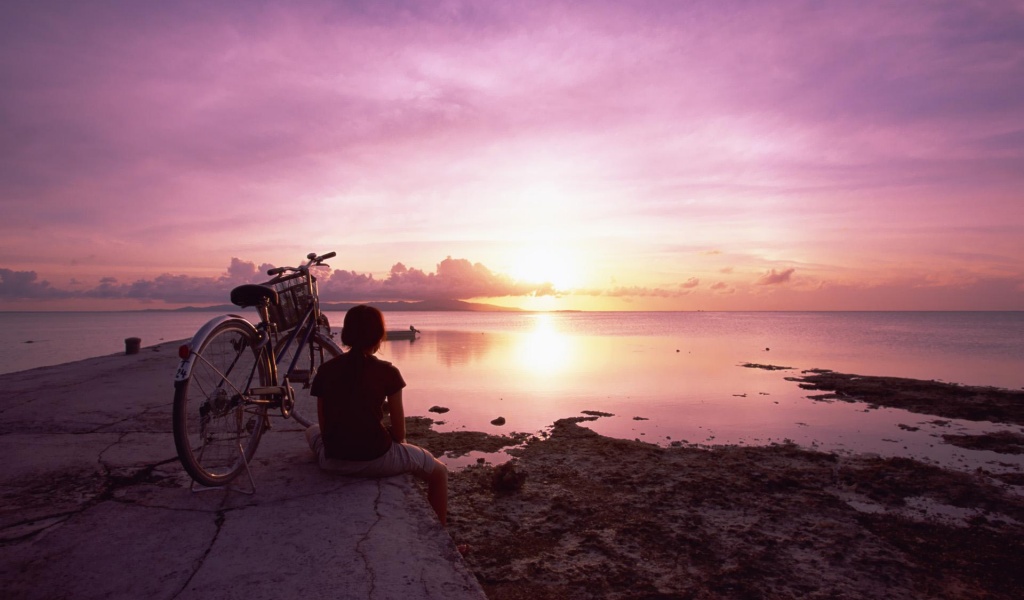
(96, 505)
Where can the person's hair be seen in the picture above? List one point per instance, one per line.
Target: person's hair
(363, 329)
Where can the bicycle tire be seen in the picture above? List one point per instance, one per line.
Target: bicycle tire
(216, 432)
(320, 350)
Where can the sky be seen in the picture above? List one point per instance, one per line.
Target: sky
(605, 155)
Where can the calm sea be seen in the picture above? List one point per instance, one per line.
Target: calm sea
(666, 377)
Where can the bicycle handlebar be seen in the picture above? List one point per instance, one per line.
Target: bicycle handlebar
(314, 261)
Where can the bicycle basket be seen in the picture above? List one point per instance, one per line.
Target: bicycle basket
(294, 300)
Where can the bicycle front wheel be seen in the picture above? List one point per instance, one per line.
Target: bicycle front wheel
(216, 428)
(320, 350)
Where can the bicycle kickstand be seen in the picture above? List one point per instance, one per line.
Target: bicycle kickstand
(195, 488)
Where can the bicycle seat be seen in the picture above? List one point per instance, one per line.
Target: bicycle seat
(251, 294)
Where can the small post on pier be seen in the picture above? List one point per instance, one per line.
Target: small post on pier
(132, 345)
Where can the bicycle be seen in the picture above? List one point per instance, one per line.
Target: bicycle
(230, 374)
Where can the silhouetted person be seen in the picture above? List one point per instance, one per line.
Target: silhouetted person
(350, 391)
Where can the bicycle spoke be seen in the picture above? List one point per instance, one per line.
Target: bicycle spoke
(223, 378)
(216, 427)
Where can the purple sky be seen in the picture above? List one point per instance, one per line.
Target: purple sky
(640, 155)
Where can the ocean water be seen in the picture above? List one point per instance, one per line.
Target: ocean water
(37, 339)
(664, 377)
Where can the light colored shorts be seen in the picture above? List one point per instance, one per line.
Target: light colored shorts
(401, 458)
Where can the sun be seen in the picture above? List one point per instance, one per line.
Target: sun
(546, 265)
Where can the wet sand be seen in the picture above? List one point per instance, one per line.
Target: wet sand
(579, 515)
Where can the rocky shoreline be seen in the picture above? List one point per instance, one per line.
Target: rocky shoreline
(579, 515)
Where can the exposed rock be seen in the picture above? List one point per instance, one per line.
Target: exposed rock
(937, 398)
(608, 518)
(508, 478)
(765, 367)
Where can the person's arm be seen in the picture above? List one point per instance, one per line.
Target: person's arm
(320, 412)
(397, 417)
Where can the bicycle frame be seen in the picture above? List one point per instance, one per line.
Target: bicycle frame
(232, 371)
(188, 362)
(265, 327)
(270, 351)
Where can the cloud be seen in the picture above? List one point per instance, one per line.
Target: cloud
(179, 289)
(453, 279)
(774, 277)
(634, 292)
(993, 293)
(639, 291)
(23, 285)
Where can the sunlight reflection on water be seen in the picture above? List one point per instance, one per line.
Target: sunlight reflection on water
(660, 388)
(667, 377)
(544, 352)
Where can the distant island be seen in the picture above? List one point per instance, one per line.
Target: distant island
(422, 305)
(398, 305)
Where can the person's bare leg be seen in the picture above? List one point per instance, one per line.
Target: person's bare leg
(437, 492)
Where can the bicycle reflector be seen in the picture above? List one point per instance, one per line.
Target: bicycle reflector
(184, 351)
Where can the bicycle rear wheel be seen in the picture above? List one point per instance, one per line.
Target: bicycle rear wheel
(320, 350)
(216, 430)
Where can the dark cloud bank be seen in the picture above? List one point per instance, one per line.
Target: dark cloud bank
(456, 280)
(453, 279)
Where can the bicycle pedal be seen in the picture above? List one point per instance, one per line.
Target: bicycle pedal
(299, 376)
(270, 390)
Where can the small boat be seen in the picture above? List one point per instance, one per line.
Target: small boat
(402, 334)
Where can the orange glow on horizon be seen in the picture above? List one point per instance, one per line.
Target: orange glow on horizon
(546, 264)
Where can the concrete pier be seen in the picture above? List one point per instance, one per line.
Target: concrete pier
(96, 505)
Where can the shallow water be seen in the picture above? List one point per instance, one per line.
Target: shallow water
(666, 377)
(686, 387)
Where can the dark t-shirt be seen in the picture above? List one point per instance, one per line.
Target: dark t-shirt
(353, 388)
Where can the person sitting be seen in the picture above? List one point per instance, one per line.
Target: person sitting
(351, 438)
